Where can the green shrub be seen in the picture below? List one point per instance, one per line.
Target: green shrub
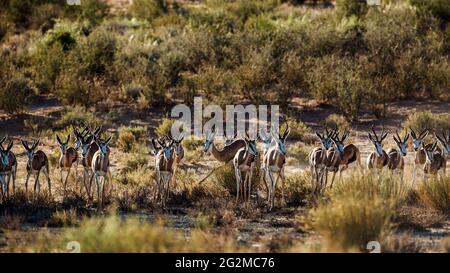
(297, 189)
(164, 128)
(128, 136)
(337, 121)
(225, 177)
(77, 115)
(439, 8)
(298, 130)
(14, 93)
(347, 8)
(134, 161)
(422, 120)
(148, 9)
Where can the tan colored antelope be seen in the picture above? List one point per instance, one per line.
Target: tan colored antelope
(37, 161)
(69, 157)
(339, 157)
(274, 162)
(100, 167)
(88, 148)
(244, 163)
(419, 149)
(178, 156)
(8, 167)
(434, 162)
(378, 159)
(396, 155)
(227, 153)
(316, 160)
(164, 165)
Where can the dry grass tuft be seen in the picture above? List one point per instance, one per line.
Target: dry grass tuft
(435, 193)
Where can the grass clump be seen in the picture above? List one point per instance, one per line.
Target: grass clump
(164, 127)
(337, 121)
(435, 193)
(77, 115)
(128, 136)
(299, 130)
(422, 120)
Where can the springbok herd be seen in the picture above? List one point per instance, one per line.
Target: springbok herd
(332, 156)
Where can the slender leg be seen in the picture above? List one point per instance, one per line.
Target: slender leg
(8, 178)
(26, 182)
(97, 182)
(65, 180)
(250, 183)
(46, 173)
(14, 172)
(281, 175)
(273, 186)
(238, 181)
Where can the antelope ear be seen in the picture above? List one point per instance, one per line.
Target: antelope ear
(108, 140)
(395, 139)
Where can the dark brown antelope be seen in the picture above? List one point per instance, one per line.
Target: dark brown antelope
(317, 159)
(164, 165)
(396, 155)
(244, 163)
(378, 159)
(8, 167)
(434, 162)
(227, 153)
(37, 161)
(100, 168)
(339, 157)
(274, 162)
(69, 157)
(88, 148)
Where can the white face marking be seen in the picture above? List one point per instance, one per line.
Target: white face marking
(402, 147)
(378, 148)
(340, 148)
(417, 144)
(168, 152)
(84, 149)
(281, 147)
(430, 155)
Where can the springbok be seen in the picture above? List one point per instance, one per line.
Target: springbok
(227, 153)
(8, 167)
(444, 139)
(100, 167)
(37, 161)
(434, 162)
(267, 141)
(273, 162)
(179, 155)
(317, 158)
(378, 159)
(244, 163)
(396, 155)
(420, 156)
(340, 155)
(164, 165)
(69, 156)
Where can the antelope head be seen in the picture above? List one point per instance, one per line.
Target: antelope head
(377, 141)
(30, 149)
(418, 139)
(401, 142)
(280, 140)
(63, 145)
(167, 149)
(85, 143)
(265, 138)
(430, 152)
(177, 143)
(103, 145)
(4, 153)
(251, 145)
(326, 139)
(339, 142)
(444, 139)
(209, 140)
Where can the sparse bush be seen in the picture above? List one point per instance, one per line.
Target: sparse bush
(347, 8)
(299, 152)
(299, 130)
(134, 161)
(225, 177)
(148, 9)
(14, 93)
(164, 128)
(337, 121)
(422, 120)
(436, 193)
(128, 136)
(75, 116)
(297, 189)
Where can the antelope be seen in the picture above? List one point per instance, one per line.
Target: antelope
(420, 155)
(267, 141)
(88, 148)
(340, 155)
(227, 153)
(164, 165)
(273, 162)
(444, 139)
(244, 163)
(69, 156)
(317, 157)
(434, 162)
(378, 158)
(396, 161)
(100, 167)
(37, 161)
(179, 155)
(8, 167)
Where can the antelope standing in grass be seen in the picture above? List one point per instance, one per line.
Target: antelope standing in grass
(317, 158)
(396, 155)
(88, 148)
(340, 156)
(100, 167)
(227, 153)
(274, 162)
(244, 164)
(444, 139)
(434, 162)
(267, 141)
(179, 155)
(8, 167)
(419, 149)
(69, 157)
(378, 159)
(164, 165)
(37, 161)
